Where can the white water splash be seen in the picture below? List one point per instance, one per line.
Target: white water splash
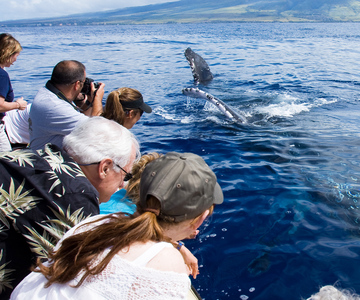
(284, 109)
(290, 106)
(164, 113)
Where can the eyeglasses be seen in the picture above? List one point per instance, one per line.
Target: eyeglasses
(127, 177)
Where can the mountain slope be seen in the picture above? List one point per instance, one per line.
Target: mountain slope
(187, 11)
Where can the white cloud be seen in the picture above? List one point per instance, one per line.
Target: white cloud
(29, 9)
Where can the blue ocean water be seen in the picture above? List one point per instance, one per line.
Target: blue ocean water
(290, 175)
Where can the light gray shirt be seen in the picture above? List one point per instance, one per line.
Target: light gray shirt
(51, 119)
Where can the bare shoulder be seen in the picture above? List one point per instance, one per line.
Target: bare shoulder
(168, 259)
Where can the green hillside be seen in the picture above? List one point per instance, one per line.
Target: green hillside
(191, 11)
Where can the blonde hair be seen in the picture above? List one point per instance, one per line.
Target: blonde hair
(132, 189)
(113, 109)
(8, 47)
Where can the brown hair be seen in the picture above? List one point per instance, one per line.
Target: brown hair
(113, 109)
(78, 252)
(8, 47)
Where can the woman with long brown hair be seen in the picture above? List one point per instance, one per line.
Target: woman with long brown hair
(121, 256)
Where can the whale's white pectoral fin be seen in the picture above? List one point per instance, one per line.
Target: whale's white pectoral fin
(201, 73)
(224, 108)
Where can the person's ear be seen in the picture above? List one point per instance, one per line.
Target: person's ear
(201, 219)
(104, 167)
(131, 114)
(78, 85)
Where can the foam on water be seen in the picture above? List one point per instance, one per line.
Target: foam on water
(284, 109)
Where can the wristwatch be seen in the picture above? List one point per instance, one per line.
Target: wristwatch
(179, 245)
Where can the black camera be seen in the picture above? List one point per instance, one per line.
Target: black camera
(87, 86)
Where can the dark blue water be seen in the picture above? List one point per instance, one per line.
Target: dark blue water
(290, 175)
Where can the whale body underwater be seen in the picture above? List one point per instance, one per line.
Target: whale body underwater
(202, 74)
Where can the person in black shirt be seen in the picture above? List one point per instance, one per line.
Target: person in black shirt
(46, 192)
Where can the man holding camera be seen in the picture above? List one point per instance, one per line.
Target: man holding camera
(53, 114)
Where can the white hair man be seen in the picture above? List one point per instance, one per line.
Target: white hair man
(46, 192)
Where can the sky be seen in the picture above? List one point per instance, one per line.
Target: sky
(30, 9)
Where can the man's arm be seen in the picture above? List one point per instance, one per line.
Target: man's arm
(97, 108)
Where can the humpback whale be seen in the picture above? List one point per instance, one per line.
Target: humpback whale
(225, 109)
(200, 69)
(202, 73)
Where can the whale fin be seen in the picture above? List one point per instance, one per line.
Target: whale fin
(224, 108)
(200, 69)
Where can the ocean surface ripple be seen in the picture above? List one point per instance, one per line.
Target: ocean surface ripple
(290, 176)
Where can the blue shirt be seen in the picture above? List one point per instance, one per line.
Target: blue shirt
(118, 202)
(6, 89)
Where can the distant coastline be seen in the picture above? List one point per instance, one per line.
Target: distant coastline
(66, 24)
(211, 11)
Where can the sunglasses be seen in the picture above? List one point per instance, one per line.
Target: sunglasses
(127, 177)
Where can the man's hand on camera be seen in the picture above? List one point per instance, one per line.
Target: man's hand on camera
(97, 96)
(99, 92)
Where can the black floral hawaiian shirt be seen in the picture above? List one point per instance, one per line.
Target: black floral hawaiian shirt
(42, 194)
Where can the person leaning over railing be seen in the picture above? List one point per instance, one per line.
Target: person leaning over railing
(123, 256)
(125, 106)
(44, 193)
(125, 200)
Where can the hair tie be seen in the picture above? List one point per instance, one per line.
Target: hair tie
(153, 210)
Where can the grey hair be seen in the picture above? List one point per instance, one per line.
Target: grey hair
(98, 138)
(329, 292)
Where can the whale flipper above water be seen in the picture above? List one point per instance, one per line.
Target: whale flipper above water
(224, 108)
(202, 73)
(200, 69)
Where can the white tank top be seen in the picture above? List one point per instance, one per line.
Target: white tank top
(121, 279)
